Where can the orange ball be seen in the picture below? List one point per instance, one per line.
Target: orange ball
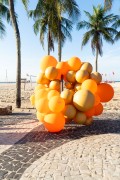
(51, 73)
(53, 93)
(47, 61)
(88, 121)
(74, 63)
(70, 76)
(68, 85)
(87, 66)
(80, 117)
(42, 93)
(54, 122)
(55, 85)
(69, 112)
(105, 92)
(77, 86)
(81, 76)
(56, 104)
(40, 116)
(83, 100)
(98, 109)
(96, 76)
(97, 100)
(63, 66)
(39, 87)
(90, 112)
(32, 99)
(41, 79)
(59, 75)
(90, 85)
(42, 105)
(67, 95)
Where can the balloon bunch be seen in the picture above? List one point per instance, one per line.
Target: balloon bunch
(81, 99)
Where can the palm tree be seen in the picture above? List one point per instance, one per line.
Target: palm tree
(4, 14)
(70, 8)
(10, 4)
(117, 25)
(49, 19)
(99, 28)
(108, 4)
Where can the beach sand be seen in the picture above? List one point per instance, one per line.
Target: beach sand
(7, 97)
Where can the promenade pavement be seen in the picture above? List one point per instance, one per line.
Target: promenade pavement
(29, 152)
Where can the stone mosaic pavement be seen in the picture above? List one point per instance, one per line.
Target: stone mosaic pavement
(77, 152)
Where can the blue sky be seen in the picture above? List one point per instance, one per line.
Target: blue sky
(32, 51)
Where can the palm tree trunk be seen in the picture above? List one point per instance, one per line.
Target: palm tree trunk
(59, 41)
(96, 60)
(18, 44)
(48, 41)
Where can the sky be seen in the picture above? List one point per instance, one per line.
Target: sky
(32, 51)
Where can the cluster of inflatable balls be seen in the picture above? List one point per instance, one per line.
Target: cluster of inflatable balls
(81, 98)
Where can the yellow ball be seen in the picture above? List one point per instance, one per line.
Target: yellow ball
(47, 61)
(80, 117)
(40, 116)
(51, 73)
(32, 99)
(77, 86)
(88, 121)
(41, 79)
(74, 63)
(96, 76)
(70, 76)
(53, 93)
(55, 85)
(83, 100)
(67, 95)
(87, 66)
(81, 76)
(40, 94)
(90, 85)
(68, 85)
(69, 112)
(56, 104)
(39, 87)
(42, 105)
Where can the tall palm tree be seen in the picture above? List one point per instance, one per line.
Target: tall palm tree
(70, 8)
(4, 14)
(108, 4)
(10, 4)
(117, 25)
(99, 28)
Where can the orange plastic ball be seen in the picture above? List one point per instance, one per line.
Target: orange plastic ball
(55, 85)
(90, 85)
(54, 122)
(40, 94)
(56, 104)
(63, 66)
(69, 112)
(90, 112)
(39, 87)
(67, 95)
(68, 85)
(70, 76)
(41, 79)
(97, 100)
(98, 109)
(80, 117)
(40, 116)
(87, 66)
(77, 86)
(83, 100)
(32, 99)
(96, 76)
(89, 121)
(74, 63)
(42, 105)
(105, 92)
(47, 61)
(59, 75)
(81, 76)
(51, 73)
(53, 93)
